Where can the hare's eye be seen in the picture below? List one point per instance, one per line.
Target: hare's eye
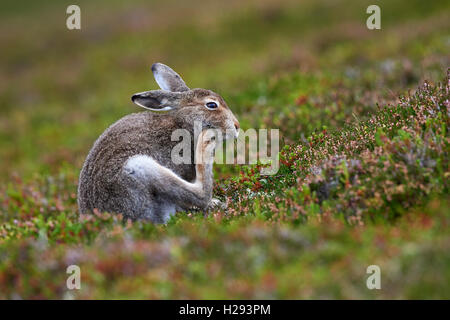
(211, 105)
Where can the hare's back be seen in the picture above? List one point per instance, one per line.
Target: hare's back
(142, 133)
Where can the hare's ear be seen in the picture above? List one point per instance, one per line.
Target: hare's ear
(158, 100)
(168, 79)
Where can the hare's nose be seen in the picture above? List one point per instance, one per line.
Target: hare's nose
(236, 126)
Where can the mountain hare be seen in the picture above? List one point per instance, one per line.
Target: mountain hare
(129, 169)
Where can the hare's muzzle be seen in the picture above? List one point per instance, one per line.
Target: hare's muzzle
(237, 127)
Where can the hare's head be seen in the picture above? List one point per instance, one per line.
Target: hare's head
(186, 105)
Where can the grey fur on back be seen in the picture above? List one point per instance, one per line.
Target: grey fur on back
(100, 178)
(105, 185)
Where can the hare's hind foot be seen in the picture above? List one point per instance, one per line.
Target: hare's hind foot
(215, 204)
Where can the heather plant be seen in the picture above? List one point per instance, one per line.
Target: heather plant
(383, 165)
(363, 117)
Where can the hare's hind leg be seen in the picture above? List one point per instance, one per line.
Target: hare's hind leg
(145, 204)
(147, 179)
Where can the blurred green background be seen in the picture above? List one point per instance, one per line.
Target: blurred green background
(60, 88)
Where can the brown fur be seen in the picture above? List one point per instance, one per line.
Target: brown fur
(105, 185)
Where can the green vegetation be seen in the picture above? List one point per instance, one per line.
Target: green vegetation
(364, 169)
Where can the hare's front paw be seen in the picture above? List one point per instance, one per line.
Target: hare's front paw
(216, 204)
